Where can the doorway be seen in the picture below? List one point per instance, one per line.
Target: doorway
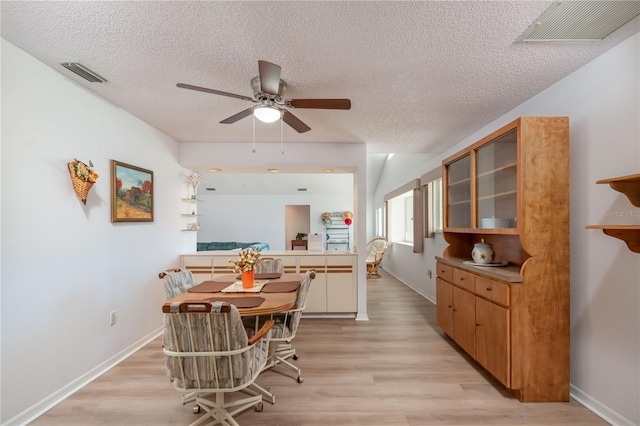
(297, 219)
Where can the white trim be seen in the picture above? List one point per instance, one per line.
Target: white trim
(430, 299)
(598, 408)
(35, 411)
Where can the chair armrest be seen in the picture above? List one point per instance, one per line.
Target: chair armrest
(162, 274)
(262, 332)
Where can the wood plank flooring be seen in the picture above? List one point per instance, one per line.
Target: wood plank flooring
(395, 370)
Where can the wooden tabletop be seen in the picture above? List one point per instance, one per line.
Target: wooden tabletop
(273, 302)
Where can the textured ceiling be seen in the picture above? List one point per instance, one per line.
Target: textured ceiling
(421, 75)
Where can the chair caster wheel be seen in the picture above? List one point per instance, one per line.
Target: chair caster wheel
(300, 379)
(259, 407)
(196, 409)
(295, 357)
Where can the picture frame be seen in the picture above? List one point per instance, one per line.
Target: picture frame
(131, 193)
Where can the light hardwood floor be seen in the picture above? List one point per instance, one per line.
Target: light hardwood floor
(396, 369)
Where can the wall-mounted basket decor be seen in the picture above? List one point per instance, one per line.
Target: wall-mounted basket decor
(82, 177)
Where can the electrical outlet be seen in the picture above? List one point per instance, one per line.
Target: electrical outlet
(112, 318)
(429, 273)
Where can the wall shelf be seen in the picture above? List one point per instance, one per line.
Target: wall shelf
(337, 233)
(630, 186)
(192, 208)
(630, 234)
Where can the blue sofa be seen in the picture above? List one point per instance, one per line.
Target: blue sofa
(230, 245)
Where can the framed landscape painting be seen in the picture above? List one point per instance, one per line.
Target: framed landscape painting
(131, 193)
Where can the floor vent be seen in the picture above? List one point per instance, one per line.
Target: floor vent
(580, 21)
(83, 72)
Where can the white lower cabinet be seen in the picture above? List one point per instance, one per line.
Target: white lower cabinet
(333, 291)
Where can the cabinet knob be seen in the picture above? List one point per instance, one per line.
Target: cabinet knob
(461, 278)
(488, 288)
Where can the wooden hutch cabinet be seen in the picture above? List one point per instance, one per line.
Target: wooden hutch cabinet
(510, 189)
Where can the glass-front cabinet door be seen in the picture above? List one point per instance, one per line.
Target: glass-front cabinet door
(496, 182)
(459, 193)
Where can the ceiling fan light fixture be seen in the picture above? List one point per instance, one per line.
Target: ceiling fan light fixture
(267, 114)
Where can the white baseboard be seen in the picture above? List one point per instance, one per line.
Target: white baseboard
(417, 290)
(61, 394)
(598, 408)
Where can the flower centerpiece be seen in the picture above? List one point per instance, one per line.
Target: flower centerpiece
(82, 178)
(246, 263)
(194, 180)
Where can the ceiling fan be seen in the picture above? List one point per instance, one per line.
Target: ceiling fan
(268, 90)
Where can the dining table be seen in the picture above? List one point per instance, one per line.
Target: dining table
(277, 293)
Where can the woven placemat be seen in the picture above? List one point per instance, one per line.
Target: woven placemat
(281, 287)
(239, 302)
(209, 287)
(289, 278)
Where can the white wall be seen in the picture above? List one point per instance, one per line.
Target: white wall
(260, 218)
(399, 260)
(65, 266)
(602, 100)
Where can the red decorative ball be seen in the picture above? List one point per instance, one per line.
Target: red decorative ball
(348, 221)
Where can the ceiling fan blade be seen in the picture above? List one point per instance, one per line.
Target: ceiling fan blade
(215, 92)
(319, 103)
(294, 122)
(269, 77)
(238, 116)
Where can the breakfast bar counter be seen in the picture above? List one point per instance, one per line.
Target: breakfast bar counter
(334, 290)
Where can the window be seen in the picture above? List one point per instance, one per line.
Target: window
(401, 218)
(434, 223)
(380, 222)
(432, 192)
(404, 215)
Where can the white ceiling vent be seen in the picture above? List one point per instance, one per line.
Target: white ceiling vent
(83, 72)
(580, 21)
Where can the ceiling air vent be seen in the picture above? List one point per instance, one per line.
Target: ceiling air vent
(580, 21)
(83, 72)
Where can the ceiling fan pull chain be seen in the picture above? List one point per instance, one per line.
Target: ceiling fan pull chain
(254, 134)
(281, 137)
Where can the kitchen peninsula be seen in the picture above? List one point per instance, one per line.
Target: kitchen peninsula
(333, 292)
